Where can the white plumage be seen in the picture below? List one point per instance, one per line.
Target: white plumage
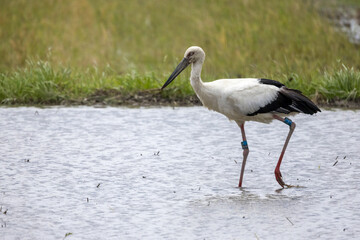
(238, 97)
(245, 99)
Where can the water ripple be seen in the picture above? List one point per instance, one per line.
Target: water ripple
(165, 173)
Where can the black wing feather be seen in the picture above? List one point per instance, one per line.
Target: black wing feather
(271, 82)
(287, 101)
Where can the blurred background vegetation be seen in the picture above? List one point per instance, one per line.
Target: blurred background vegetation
(54, 51)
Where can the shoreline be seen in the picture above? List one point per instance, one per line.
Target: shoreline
(148, 98)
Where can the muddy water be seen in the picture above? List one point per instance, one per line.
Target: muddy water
(164, 173)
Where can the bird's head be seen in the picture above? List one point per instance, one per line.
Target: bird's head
(192, 55)
(195, 54)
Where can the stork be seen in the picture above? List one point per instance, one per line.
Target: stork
(246, 99)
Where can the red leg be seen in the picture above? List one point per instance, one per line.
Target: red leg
(245, 152)
(292, 126)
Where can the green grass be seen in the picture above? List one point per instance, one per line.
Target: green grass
(341, 84)
(40, 83)
(56, 51)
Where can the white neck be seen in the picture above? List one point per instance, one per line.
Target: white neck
(195, 78)
(201, 89)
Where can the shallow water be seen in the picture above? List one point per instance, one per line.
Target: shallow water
(164, 173)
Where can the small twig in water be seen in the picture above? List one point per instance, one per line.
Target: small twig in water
(3, 225)
(290, 221)
(335, 163)
(67, 234)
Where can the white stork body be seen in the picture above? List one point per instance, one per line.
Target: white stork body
(245, 99)
(238, 97)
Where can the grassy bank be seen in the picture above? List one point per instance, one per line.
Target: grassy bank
(69, 51)
(40, 83)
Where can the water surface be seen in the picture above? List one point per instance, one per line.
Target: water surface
(164, 173)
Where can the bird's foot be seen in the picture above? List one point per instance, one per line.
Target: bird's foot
(279, 179)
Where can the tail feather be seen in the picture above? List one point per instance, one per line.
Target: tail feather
(299, 102)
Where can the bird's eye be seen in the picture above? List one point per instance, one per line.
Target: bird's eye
(190, 54)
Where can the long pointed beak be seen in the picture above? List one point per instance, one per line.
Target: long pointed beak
(182, 65)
